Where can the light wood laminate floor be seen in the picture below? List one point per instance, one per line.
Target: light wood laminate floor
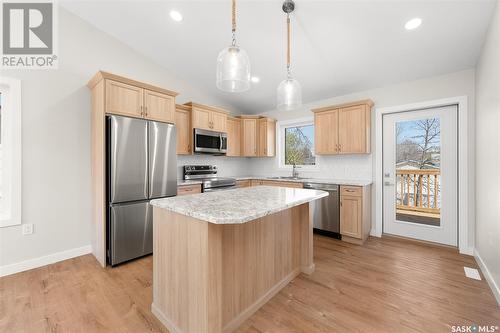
(387, 285)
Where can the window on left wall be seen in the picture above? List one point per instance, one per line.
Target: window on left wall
(10, 152)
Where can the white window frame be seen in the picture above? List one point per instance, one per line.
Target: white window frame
(280, 129)
(10, 201)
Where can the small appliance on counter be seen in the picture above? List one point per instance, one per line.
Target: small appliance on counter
(141, 165)
(207, 174)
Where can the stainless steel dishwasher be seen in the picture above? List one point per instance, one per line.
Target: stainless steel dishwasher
(326, 210)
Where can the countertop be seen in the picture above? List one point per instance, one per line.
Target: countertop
(239, 205)
(182, 182)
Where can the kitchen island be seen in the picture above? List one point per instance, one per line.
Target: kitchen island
(219, 256)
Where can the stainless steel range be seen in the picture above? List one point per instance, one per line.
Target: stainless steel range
(208, 175)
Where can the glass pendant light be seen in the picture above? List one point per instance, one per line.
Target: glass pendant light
(233, 65)
(289, 90)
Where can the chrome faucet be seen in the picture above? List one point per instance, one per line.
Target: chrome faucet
(295, 172)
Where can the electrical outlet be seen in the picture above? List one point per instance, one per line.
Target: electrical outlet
(27, 228)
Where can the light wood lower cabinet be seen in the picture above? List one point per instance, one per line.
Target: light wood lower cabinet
(183, 129)
(355, 215)
(188, 189)
(243, 183)
(343, 129)
(256, 182)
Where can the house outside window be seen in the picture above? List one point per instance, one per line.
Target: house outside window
(296, 144)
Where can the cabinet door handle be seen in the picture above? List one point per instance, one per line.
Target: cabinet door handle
(142, 111)
(146, 111)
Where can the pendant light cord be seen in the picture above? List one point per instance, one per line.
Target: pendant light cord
(288, 46)
(233, 12)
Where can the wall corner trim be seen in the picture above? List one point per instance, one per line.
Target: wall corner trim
(44, 260)
(487, 275)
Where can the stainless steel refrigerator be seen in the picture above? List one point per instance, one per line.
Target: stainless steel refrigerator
(141, 165)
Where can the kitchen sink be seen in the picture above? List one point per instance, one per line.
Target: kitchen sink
(287, 177)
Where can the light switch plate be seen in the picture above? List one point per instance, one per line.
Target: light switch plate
(27, 228)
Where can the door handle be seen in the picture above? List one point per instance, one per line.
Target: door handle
(388, 184)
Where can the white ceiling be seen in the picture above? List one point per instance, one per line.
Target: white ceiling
(338, 47)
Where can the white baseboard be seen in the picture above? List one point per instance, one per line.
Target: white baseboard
(469, 250)
(487, 275)
(43, 261)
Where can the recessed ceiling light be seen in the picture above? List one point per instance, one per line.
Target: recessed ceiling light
(255, 79)
(175, 15)
(414, 23)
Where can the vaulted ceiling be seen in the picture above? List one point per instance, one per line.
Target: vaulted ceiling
(338, 47)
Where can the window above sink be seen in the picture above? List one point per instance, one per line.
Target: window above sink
(296, 145)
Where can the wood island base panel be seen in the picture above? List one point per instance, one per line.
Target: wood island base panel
(212, 277)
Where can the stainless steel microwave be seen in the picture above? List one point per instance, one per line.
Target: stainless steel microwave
(210, 142)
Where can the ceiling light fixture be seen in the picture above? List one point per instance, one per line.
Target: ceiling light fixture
(175, 15)
(414, 23)
(255, 79)
(289, 93)
(233, 64)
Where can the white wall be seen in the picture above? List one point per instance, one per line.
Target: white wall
(488, 159)
(56, 137)
(361, 167)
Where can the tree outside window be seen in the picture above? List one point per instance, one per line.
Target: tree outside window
(299, 145)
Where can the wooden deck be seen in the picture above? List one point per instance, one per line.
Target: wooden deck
(387, 285)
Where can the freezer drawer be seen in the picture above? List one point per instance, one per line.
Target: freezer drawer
(131, 231)
(127, 159)
(162, 160)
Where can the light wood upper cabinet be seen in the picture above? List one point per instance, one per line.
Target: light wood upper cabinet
(343, 129)
(267, 137)
(219, 121)
(258, 136)
(233, 137)
(326, 132)
(183, 129)
(354, 129)
(208, 117)
(124, 99)
(201, 118)
(249, 137)
(127, 97)
(158, 106)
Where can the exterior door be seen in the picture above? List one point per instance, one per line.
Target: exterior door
(420, 168)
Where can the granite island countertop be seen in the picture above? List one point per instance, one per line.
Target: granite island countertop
(239, 205)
